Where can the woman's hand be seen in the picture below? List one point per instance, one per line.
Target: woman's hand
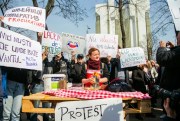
(91, 80)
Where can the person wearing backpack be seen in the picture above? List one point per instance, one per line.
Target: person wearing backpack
(95, 68)
(76, 71)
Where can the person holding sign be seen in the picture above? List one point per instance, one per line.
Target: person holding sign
(96, 72)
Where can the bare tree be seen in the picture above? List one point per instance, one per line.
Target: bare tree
(160, 16)
(68, 9)
(121, 4)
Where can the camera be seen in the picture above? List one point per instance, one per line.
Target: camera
(174, 96)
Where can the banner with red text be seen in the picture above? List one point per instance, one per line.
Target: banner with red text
(32, 18)
(19, 51)
(73, 43)
(109, 109)
(52, 42)
(106, 43)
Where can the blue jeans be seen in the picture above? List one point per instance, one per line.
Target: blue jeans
(39, 88)
(12, 104)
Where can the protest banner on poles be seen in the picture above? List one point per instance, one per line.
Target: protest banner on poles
(52, 42)
(174, 7)
(106, 43)
(109, 109)
(32, 18)
(19, 51)
(132, 57)
(73, 43)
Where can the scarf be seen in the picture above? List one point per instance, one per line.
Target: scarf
(92, 64)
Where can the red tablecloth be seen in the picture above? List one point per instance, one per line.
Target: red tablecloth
(95, 94)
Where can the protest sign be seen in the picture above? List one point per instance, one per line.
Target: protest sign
(174, 7)
(52, 42)
(132, 57)
(19, 51)
(73, 43)
(32, 18)
(109, 109)
(106, 43)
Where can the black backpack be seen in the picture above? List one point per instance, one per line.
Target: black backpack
(117, 85)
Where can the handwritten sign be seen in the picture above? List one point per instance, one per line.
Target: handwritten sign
(32, 18)
(53, 42)
(19, 51)
(109, 109)
(73, 43)
(132, 57)
(175, 11)
(106, 43)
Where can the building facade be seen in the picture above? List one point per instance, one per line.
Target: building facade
(135, 18)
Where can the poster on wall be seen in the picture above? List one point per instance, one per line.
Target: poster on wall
(52, 42)
(27, 17)
(132, 57)
(109, 109)
(106, 43)
(174, 7)
(73, 43)
(19, 51)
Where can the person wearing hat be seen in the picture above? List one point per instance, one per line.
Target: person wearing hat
(76, 72)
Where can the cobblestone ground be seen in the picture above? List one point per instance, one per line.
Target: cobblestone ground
(156, 111)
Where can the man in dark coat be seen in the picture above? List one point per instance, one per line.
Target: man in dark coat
(170, 59)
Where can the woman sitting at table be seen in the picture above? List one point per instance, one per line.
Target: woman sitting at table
(96, 71)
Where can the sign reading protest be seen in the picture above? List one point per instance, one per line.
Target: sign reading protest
(109, 109)
(32, 18)
(52, 42)
(19, 51)
(106, 43)
(174, 6)
(132, 57)
(73, 43)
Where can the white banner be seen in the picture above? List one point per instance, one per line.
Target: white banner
(53, 42)
(174, 6)
(73, 43)
(32, 18)
(19, 51)
(132, 57)
(109, 109)
(106, 43)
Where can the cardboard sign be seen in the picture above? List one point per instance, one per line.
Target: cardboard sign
(106, 43)
(53, 42)
(73, 43)
(109, 109)
(19, 51)
(132, 57)
(174, 6)
(32, 18)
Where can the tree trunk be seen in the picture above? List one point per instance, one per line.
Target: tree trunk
(122, 24)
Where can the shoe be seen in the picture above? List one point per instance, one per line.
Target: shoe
(150, 115)
(139, 117)
(162, 116)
